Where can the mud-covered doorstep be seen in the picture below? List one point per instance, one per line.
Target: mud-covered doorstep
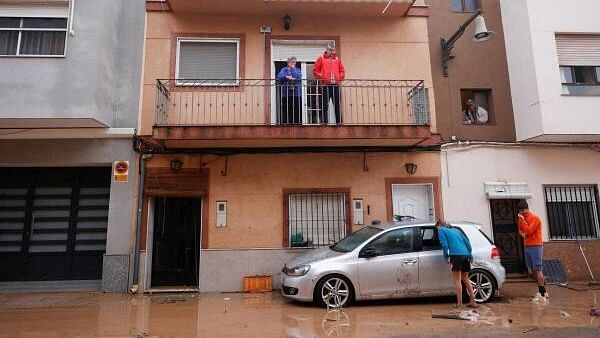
(115, 273)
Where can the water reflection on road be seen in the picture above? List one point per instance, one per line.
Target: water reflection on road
(269, 315)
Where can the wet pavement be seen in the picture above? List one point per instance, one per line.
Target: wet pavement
(269, 315)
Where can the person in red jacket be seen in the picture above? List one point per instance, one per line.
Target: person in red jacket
(530, 228)
(329, 70)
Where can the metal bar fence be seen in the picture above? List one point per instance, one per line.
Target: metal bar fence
(316, 219)
(572, 212)
(299, 102)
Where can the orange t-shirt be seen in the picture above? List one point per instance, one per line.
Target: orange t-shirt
(531, 225)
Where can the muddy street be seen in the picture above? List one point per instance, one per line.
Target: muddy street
(269, 315)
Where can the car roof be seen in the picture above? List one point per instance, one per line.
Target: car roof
(404, 224)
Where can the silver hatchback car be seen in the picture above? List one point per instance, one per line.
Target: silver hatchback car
(392, 260)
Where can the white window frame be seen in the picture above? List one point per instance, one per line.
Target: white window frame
(182, 82)
(21, 16)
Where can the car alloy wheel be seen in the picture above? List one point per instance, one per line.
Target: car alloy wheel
(483, 286)
(335, 292)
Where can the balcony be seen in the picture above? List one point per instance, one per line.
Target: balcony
(266, 112)
(299, 7)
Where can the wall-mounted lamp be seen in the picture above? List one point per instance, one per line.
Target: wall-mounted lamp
(411, 168)
(481, 34)
(287, 22)
(176, 165)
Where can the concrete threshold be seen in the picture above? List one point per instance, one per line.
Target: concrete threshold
(51, 286)
(173, 289)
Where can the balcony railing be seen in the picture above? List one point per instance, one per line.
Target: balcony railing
(305, 102)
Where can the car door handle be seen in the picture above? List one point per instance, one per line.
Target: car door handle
(409, 261)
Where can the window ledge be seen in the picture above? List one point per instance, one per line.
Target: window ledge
(34, 56)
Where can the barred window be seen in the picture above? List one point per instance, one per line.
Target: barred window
(572, 211)
(316, 219)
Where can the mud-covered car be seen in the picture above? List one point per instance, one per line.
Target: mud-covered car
(394, 260)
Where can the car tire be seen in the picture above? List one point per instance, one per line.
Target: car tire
(484, 286)
(334, 291)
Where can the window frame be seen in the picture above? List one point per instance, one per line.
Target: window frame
(184, 83)
(594, 188)
(415, 244)
(419, 238)
(594, 87)
(21, 29)
(286, 243)
(462, 7)
(490, 108)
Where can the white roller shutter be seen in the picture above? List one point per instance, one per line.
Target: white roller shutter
(303, 50)
(60, 10)
(208, 59)
(578, 49)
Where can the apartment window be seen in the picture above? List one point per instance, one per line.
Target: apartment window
(476, 106)
(207, 61)
(465, 5)
(579, 60)
(28, 36)
(316, 219)
(572, 211)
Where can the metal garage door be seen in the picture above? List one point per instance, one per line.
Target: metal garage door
(53, 223)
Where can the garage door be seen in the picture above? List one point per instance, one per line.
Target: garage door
(53, 223)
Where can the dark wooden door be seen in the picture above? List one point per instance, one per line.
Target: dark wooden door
(176, 241)
(506, 234)
(53, 223)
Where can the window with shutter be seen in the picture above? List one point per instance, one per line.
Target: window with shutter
(207, 62)
(579, 61)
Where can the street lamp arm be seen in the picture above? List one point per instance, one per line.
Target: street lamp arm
(461, 30)
(448, 44)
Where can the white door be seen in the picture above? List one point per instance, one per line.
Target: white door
(413, 200)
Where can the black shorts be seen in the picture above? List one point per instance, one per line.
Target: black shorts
(461, 263)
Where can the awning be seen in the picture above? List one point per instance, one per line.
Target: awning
(507, 190)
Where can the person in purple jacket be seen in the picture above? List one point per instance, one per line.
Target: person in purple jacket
(457, 251)
(289, 81)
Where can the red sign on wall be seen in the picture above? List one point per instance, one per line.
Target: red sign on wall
(121, 171)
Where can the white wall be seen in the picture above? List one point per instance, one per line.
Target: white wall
(539, 106)
(466, 168)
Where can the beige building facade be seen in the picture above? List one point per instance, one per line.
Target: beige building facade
(250, 189)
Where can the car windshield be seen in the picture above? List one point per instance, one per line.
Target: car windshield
(355, 239)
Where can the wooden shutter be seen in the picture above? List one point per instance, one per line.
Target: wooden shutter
(202, 59)
(578, 49)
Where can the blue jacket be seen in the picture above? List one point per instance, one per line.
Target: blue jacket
(288, 89)
(454, 242)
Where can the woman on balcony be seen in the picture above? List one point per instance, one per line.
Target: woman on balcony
(289, 81)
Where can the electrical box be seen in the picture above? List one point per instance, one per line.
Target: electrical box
(221, 214)
(359, 211)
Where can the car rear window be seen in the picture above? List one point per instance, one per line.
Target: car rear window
(486, 237)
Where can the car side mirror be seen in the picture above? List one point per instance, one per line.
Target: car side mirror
(368, 253)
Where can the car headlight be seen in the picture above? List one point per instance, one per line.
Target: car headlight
(300, 270)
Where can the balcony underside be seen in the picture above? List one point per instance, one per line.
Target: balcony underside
(297, 7)
(292, 136)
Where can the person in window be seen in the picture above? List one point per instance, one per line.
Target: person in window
(329, 71)
(456, 248)
(290, 83)
(474, 113)
(530, 228)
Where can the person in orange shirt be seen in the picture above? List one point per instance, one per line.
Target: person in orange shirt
(530, 228)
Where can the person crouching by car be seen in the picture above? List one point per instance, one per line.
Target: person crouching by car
(290, 81)
(457, 252)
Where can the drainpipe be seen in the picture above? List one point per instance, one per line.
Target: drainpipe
(138, 222)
